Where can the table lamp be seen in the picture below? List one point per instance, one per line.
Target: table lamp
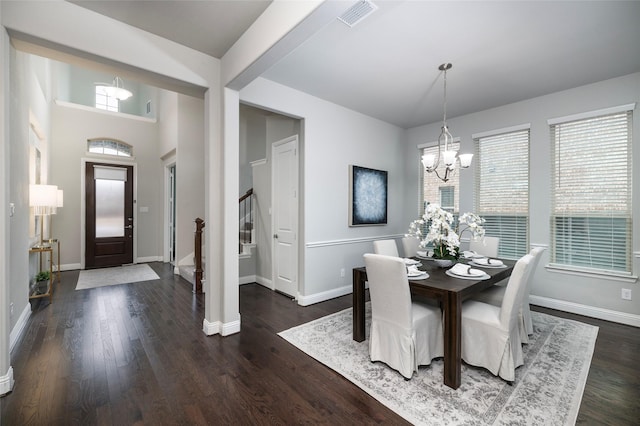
(44, 200)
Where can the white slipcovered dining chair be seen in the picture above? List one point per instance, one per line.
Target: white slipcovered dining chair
(410, 246)
(490, 334)
(487, 246)
(386, 247)
(404, 334)
(495, 294)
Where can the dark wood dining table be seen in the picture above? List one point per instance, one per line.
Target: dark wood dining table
(450, 292)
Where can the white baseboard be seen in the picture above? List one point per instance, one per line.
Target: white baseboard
(20, 326)
(211, 328)
(6, 382)
(588, 311)
(325, 295)
(224, 329)
(70, 267)
(247, 279)
(230, 328)
(148, 259)
(265, 282)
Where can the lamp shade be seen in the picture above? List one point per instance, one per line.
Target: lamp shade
(449, 157)
(465, 160)
(118, 92)
(428, 161)
(60, 198)
(43, 198)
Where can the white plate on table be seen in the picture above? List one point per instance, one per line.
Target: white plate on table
(421, 276)
(467, 277)
(424, 255)
(467, 254)
(483, 265)
(410, 262)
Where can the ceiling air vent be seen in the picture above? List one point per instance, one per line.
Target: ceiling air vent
(357, 12)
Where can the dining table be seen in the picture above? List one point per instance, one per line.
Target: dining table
(449, 291)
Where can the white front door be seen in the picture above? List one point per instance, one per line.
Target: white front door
(284, 174)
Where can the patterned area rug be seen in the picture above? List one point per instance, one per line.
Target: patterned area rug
(93, 278)
(547, 390)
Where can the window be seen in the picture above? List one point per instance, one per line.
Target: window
(502, 188)
(591, 190)
(447, 198)
(106, 102)
(435, 191)
(109, 147)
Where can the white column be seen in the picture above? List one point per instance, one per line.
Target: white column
(231, 179)
(6, 372)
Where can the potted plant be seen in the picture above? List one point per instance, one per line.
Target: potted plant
(42, 281)
(442, 234)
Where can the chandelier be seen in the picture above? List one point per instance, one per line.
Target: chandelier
(445, 144)
(116, 90)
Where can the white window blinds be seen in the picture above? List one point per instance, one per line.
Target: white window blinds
(502, 189)
(591, 189)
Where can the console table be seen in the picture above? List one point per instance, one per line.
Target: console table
(46, 249)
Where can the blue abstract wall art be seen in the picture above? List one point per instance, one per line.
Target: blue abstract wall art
(367, 196)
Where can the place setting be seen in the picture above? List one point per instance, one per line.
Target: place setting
(424, 255)
(487, 262)
(466, 272)
(411, 262)
(414, 273)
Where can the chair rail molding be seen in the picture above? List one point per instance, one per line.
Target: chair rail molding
(360, 240)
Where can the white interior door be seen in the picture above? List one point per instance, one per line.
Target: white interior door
(284, 174)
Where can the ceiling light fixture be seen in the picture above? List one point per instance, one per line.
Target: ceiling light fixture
(116, 90)
(449, 156)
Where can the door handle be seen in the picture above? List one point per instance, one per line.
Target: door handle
(275, 236)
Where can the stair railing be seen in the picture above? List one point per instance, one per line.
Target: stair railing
(197, 254)
(245, 204)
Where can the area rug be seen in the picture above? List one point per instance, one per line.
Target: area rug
(547, 390)
(93, 278)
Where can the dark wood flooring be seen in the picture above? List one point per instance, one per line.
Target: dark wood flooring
(135, 354)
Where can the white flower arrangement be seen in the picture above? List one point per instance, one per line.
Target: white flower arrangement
(445, 239)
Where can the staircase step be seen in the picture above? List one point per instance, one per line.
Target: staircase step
(188, 272)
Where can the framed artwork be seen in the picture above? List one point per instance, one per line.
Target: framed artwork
(367, 196)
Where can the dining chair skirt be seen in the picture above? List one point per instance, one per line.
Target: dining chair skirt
(404, 333)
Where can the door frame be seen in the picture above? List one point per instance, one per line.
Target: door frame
(296, 243)
(83, 201)
(168, 162)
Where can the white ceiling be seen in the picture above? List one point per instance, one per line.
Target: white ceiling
(387, 65)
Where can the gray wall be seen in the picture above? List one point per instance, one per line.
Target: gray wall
(334, 138)
(584, 293)
(70, 131)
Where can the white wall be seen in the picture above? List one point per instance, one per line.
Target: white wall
(594, 296)
(167, 122)
(190, 187)
(334, 138)
(22, 80)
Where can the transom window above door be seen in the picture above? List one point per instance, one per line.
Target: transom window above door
(109, 147)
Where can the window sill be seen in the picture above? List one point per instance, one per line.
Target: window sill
(592, 273)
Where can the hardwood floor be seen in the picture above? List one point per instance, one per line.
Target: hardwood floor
(136, 354)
